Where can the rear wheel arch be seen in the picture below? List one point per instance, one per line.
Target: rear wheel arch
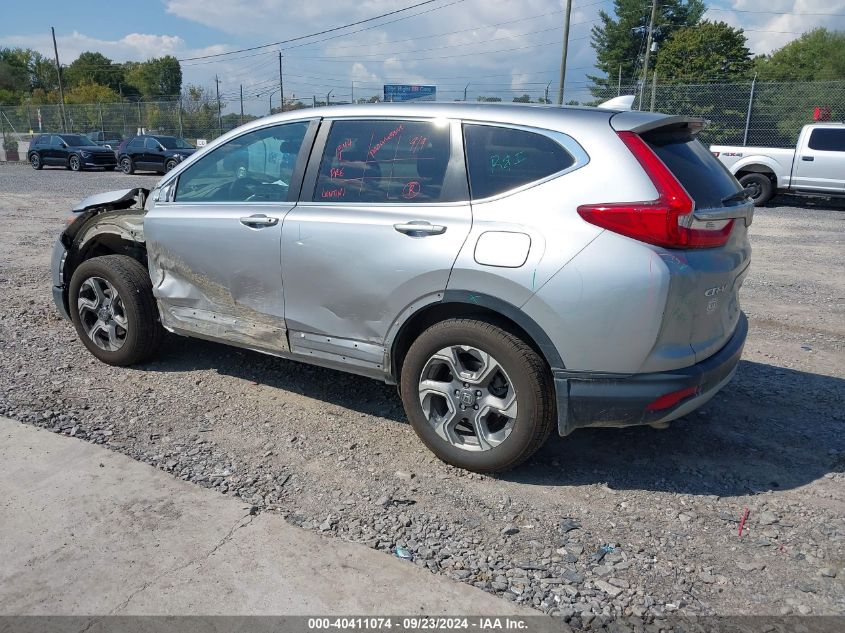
(756, 168)
(458, 304)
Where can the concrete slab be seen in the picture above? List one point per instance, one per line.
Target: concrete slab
(87, 531)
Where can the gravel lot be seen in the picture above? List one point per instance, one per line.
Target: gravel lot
(638, 522)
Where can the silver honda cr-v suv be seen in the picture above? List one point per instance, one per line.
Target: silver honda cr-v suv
(513, 269)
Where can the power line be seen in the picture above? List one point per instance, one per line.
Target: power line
(310, 35)
(802, 13)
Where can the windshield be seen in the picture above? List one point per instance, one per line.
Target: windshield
(77, 140)
(171, 142)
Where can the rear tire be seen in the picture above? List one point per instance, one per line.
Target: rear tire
(127, 166)
(35, 161)
(508, 435)
(119, 322)
(170, 165)
(762, 185)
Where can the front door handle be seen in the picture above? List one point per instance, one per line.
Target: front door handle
(807, 158)
(419, 228)
(259, 220)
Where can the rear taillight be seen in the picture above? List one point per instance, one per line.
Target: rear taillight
(662, 222)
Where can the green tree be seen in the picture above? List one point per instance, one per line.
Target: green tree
(155, 79)
(484, 99)
(94, 68)
(14, 76)
(817, 55)
(706, 51)
(620, 39)
(91, 93)
(525, 98)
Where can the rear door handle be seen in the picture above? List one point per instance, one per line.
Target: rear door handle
(419, 228)
(808, 158)
(259, 220)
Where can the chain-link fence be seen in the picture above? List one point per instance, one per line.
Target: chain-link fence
(747, 113)
(754, 113)
(191, 121)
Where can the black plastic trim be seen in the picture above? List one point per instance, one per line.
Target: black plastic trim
(603, 399)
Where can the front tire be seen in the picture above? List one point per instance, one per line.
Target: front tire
(35, 161)
(113, 309)
(762, 187)
(127, 166)
(479, 397)
(74, 163)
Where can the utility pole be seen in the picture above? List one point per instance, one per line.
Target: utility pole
(548, 85)
(619, 85)
(219, 116)
(59, 73)
(352, 98)
(465, 92)
(648, 50)
(242, 104)
(313, 101)
(564, 51)
(329, 97)
(271, 103)
(281, 84)
(181, 129)
(653, 90)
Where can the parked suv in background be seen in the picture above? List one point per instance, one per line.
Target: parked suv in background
(513, 269)
(106, 138)
(150, 152)
(73, 151)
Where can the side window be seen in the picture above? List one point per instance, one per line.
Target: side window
(254, 167)
(151, 143)
(502, 158)
(137, 143)
(384, 161)
(56, 141)
(827, 140)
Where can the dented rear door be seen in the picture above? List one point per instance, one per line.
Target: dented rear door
(214, 239)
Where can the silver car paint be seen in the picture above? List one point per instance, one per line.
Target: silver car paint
(351, 281)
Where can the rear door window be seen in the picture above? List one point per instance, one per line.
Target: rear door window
(384, 161)
(501, 158)
(136, 143)
(827, 140)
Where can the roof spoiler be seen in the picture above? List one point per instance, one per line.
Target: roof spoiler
(642, 122)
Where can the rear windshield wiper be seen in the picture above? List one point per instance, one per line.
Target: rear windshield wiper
(739, 195)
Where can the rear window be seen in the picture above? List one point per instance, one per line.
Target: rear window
(500, 158)
(700, 173)
(827, 140)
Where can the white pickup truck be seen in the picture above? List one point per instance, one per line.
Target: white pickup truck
(815, 167)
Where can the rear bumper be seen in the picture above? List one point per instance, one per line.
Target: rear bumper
(601, 399)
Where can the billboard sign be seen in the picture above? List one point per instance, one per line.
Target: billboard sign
(405, 92)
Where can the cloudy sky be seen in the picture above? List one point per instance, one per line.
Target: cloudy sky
(498, 47)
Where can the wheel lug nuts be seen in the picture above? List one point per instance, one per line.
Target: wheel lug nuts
(478, 394)
(475, 407)
(466, 385)
(463, 407)
(457, 391)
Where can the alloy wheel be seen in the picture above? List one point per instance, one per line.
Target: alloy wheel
(35, 161)
(74, 163)
(102, 313)
(468, 398)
